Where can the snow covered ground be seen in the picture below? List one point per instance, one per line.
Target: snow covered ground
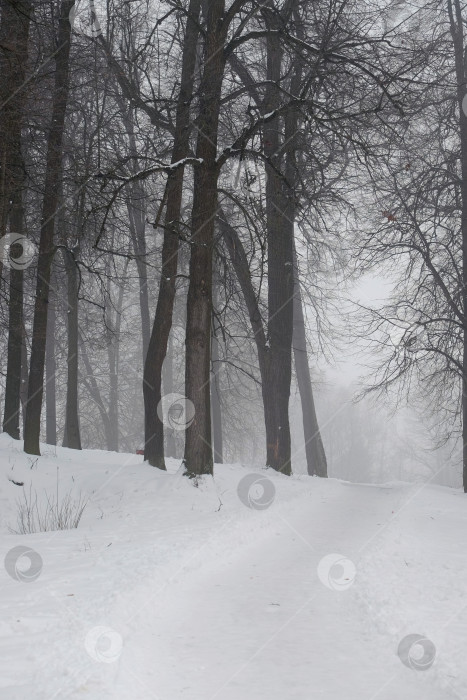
(261, 587)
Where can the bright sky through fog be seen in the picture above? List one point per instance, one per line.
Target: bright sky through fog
(371, 290)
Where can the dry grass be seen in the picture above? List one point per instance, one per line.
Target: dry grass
(49, 513)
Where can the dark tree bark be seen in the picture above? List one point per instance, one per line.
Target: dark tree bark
(24, 376)
(314, 449)
(198, 456)
(274, 353)
(11, 416)
(276, 389)
(50, 373)
(46, 245)
(136, 214)
(157, 349)
(14, 34)
(168, 384)
(72, 436)
(216, 405)
(316, 459)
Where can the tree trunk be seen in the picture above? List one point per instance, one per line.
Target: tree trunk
(11, 416)
(72, 436)
(113, 394)
(157, 349)
(136, 205)
(113, 355)
(314, 449)
(14, 34)
(276, 389)
(216, 405)
(24, 376)
(89, 381)
(168, 384)
(50, 373)
(240, 264)
(46, 246)
(137, 231)
(198, 456)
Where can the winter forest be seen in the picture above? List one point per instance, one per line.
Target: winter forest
(233, 322)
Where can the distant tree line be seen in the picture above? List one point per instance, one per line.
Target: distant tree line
(193, 180)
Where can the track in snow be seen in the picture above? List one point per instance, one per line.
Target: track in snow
(264, 627)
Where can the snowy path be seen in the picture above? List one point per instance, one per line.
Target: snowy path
(203, 598)
(263, 626)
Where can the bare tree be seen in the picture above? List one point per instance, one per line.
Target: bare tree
(157, 350)
(419, 232)
(46, 246)
(14, 35)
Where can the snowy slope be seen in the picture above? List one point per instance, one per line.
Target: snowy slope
(171, 590)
